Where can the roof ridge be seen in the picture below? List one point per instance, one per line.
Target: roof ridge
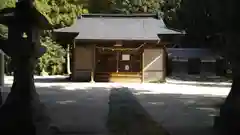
(121, 15)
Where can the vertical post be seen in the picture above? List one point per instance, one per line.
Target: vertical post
(164, 62)
(194, 66)
(1, 76)
(93, 63)
(68, 60)
(72, 76)
(118, 43)
(142, 66)
(220, 68)
(117, 64)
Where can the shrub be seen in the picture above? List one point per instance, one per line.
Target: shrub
(52, 62)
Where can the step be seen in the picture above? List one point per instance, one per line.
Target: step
(117, 79)
(129, 80)
(119, 74)
(127, 77)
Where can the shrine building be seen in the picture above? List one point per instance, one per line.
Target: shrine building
(118, 48)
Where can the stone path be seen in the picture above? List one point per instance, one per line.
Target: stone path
(83, 108)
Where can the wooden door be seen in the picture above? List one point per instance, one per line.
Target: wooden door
(106, 62)
(129, 61)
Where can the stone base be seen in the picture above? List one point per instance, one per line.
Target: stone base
(218, 125)
(24, 117)
(226, 126)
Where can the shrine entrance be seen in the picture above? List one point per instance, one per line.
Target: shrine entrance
(116, 65)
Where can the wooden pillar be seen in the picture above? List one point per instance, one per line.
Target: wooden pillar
(194, 66)
(168, 64)
(142, 65)
(164, 57)
(68, 60)
(73, 60)
(118, 44)
(93, 63)
(220, 67)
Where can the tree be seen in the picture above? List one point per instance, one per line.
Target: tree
(99, 6)
(5, 4)
(136, 6)
(208, 19)
(63, 14)
(51, 63)
(125, 6)
(60, 13)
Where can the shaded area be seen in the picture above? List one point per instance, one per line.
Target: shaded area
(75, 109)
(128, 117)
(53, 79)
(78, 111)
(182, 114)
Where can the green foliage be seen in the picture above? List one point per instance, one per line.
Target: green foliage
(207, 17)
(99, 6)
(135, 6)
(60, 13)
(171, 18)
(5, 4)
(53, 60)
(3, 31)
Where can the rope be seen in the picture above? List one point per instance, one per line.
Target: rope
(121, 49)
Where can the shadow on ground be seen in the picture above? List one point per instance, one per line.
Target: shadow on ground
(127, 116)
(79, 111)
(182, 114)
(86, 110)
(52, 80)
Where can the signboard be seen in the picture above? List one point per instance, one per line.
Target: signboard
(125, 57)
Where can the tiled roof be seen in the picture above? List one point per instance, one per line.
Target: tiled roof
(118, 27)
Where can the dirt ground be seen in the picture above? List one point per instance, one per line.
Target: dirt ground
(83, 108)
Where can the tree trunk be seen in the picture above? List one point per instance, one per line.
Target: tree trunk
(229, 120)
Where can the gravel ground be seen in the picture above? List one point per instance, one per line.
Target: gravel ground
(183, 108)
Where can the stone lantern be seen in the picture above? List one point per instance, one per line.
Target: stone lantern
(22, 112)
